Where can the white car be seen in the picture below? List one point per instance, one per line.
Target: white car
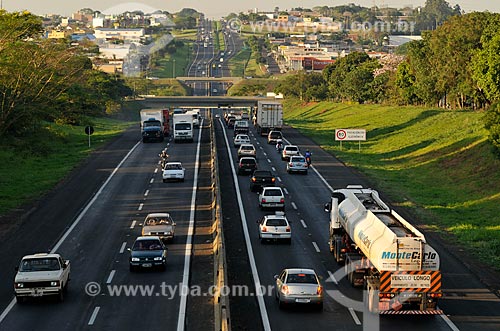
(159, 224)
(241, 139)
(288, 151)
(275, 227)
(41, 274)
(297, 163)
(272, 197)
(173, 171)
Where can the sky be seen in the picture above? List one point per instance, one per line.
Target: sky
(216, 8)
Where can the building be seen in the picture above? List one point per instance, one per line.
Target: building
(128, 35)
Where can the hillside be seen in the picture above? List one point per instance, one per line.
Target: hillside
(436, 163)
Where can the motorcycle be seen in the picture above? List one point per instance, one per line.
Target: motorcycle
(308, 160)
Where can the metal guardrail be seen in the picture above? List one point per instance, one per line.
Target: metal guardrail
(221, 302)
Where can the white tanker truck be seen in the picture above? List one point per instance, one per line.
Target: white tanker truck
(384, 253)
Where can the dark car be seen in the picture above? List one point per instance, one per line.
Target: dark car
(260, 179)
(148, 252)
(247, 165)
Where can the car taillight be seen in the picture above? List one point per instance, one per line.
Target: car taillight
(263, 200)
(284, 289)
(253, 179)
(288, 229)
(273, 179)
(264, 229)
(436, 295)
(282, 200)
(319, 290)
(290, 164)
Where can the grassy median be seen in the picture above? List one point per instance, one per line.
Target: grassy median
(437, 163)
(31, 166)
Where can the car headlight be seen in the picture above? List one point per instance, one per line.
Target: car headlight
(158, 258)
(56, 283)
(19, 285)
(135, 259)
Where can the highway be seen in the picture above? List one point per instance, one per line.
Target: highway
(96, 214)
(469, 304)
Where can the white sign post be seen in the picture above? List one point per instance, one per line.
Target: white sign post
(350, 135)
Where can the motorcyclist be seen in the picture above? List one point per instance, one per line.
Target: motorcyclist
(307, 155)
(279, 145)
(164, 156)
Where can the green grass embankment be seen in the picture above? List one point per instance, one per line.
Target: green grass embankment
(31, 166)
(436, 163)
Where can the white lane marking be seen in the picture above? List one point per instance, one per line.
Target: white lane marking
(133, 224)
(274, 169)
(159, 162)
(156, 170)
(265, 154)
(278, 178)
(269, 161)
(316, 247)
(261, 147)
(140, 206)
(258, 143)
(294, 206)
(251, 257)
(94, 315)
(181, 322)
(303, 224)
(110, 277)
(285, 190)
(146, 193)
(332, 277)
(151, 181)
(354, 317)
(122, 249)
(78, 219)
(450, 323)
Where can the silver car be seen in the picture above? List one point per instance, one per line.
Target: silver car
(299, 286)
(297, 164)
(275, 227)
(241, 139)
(247, 150)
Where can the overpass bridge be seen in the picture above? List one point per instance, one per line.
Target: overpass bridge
(210, 79)
(201, 101)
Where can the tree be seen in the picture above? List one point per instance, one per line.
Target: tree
(492, 124)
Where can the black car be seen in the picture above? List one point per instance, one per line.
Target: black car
(148, 252)
(260, 179)
(247, 165)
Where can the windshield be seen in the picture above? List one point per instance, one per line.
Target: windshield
(183, 126)
(158, 221)
(47, 264)
(147, 245)
(151, 123)
(173, 167)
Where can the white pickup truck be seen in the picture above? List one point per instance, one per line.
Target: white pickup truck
(41, 275)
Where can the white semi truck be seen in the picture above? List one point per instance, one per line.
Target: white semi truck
(384, 253)
(268, 116)
(183, 127)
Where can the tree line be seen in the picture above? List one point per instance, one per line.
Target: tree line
(456, 66)
(46, 80)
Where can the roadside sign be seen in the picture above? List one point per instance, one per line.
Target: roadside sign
(350, 134)
(89, 130)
